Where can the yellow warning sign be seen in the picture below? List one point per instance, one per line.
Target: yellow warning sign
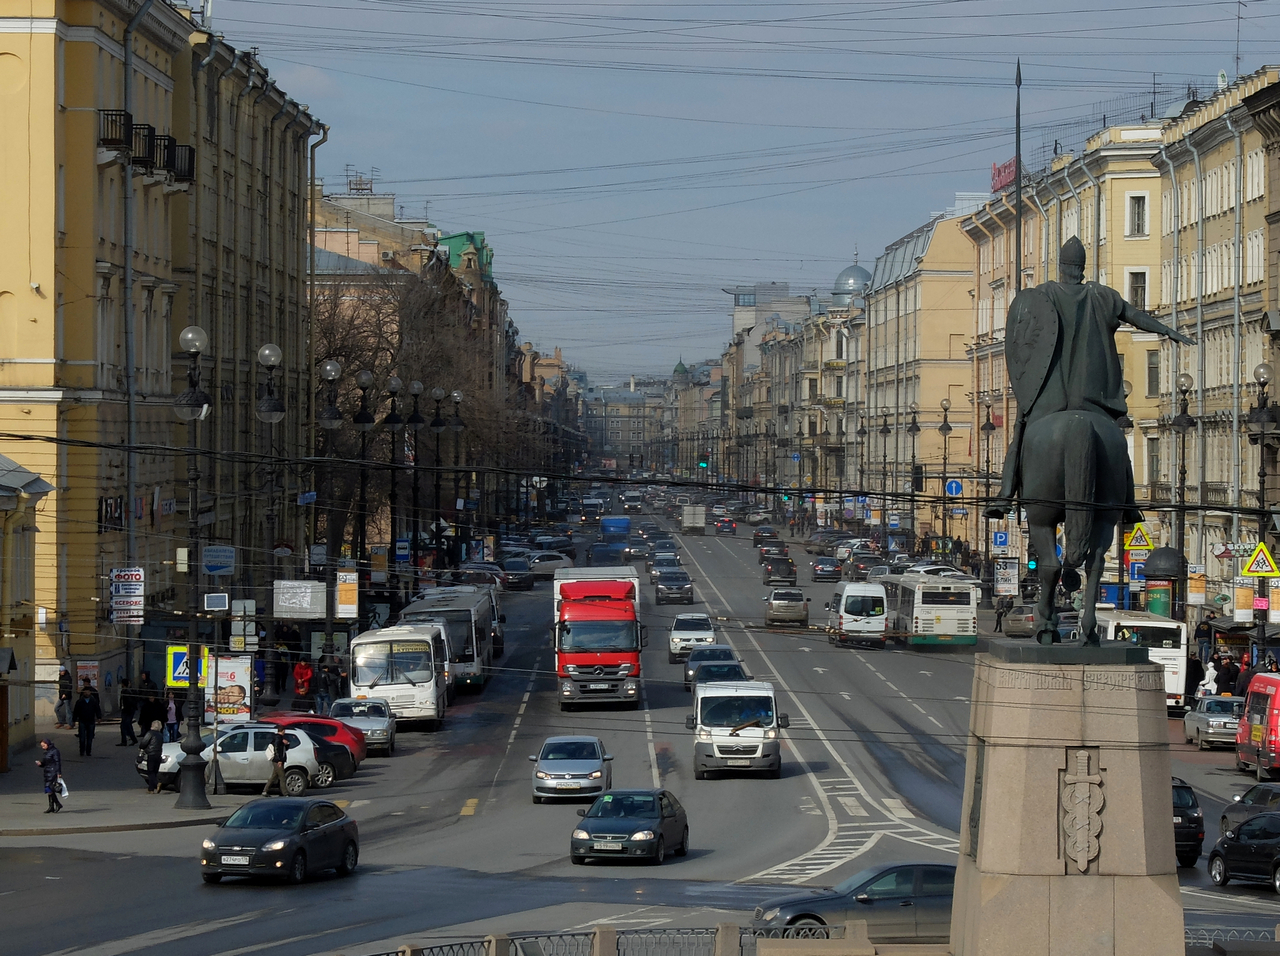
(1138, 539)
(1260, 563)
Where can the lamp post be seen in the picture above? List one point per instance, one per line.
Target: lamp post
(414, 423)
(395, 424)
(437, 428)
(270, 411)
(1126, 425)
(1182, 423)
(192, 406)
(914, 431)
(885, 432)
(860, 437)
(364, 422)
(330, 418)
(988, 429)
(1261, 424)
(945, 431)
(456, 425)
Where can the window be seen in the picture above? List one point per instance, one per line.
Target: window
(839, 346)
(745, 299)
(1153, 373)
(813, 389)
(1138, 289)
(839, 388)
(892, 885)
(1153, 459)
(234, 743)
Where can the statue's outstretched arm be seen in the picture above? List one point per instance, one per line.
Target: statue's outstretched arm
(1149, 323)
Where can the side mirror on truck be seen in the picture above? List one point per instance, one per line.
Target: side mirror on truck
(783, 721)
(690, 722)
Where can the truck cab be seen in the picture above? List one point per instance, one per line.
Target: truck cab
(736, 726)
(597, 636)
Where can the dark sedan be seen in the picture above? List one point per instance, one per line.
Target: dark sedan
(901, 902)
(336, 763)
(519, 574)
(631, 824)
(762, 534)
(707, 654)
(673, 587)
(1261, 798)
(826, 569)
(718, 672)
(773, 549)
(285, 838)
(1249, 852)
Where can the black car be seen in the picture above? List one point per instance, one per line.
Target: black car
(709, 654)
(336, 763)
(773, 549)
(907, 902)
(762, 534)
(826, 569)
(637, 547)
(719, 671)
(286, 838)
(1188, 823)
(1262, 798)
(673, 587)
(780, 571)
(1249, 852)
(631, 824)
(519, 574)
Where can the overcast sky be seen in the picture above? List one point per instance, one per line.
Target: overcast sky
(627, 161)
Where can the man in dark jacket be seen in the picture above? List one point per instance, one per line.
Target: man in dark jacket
(128, 706)
(279, 753)
(152, 744)
(51, 764)
(1228, 671)
(66, 699)
(86, 714)
(1242, 679)
(1195, 674)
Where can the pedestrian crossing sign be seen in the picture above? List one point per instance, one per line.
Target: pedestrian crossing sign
(177, 669)
(1138, 539)
(1261, 564)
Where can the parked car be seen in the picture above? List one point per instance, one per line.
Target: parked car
(242, 758)
(519, 574)
(780, 571)
(1249, 851)
(373, 716)
(571, 767)
(1261, 798)
(825, 569)
(901, 902)
(1188, 823)
(327, 728)
(1020, 621)
(687, 632)
(634, 824)
(786, 606)
(336, 763)
(288, 839)
(1213, 720)
(561, 543)
(773, 549)
(719, 671)
(726, 526)
(546, 563)
(757, 517)
(762, 534)
(673, 587)
(716, 653)
(878, 573)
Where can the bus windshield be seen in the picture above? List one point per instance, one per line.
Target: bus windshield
(457, 623)
(736, 712)
(599, 636)
(1149, 635)
(391, 662)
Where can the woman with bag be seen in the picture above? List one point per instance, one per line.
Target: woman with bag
(51, 764)
(152, 746)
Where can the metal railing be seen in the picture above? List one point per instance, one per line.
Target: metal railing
(660, 942)
(1205, 938)
(553, 944)
(144, 145)
(115, 129)
(162, 149)
(184, 163)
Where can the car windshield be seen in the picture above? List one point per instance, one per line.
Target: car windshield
(1184, 798)
(392, 662)
(1149, 635)
(691, 624)
(788, 596)
(266, 816)
(570, 750)
(673, 577)
(864, 605)
(599, 636)
(1233, 708)
(358, 708)
(738, 712)
(623, 805)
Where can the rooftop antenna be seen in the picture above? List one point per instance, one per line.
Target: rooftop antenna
(1240, 5)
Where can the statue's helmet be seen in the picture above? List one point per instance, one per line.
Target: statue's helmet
(1072, 253)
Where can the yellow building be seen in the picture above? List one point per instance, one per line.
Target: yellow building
(154, 178)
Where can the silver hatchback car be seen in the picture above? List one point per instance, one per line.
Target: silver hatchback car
(571, 767)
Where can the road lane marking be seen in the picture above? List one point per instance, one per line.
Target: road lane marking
(851, 804)
(276, 943)
(648, 733)
(469, 808)
(897, 808)
(158, 937)
(935, 722)
(917, 707)
(845, 696)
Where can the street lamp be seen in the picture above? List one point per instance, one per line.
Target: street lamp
(988, 429)
(270, 411)
(945, 431)
(437, 428)
(395, 424)
(1261, 423)
(364, 422)
(330, 418)
(192, 406)
(914, 431)
(1183, 423)
(885, 432)
(414, 423)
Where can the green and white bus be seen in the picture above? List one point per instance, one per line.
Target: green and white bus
(932, 608)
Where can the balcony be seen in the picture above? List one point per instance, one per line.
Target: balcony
(184, 164)
(144, 146)
(833, 401)
(115, 129)
(162, 153)
(784, 409)
(835, 364)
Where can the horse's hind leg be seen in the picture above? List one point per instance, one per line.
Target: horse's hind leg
(1044, 541)
(1102, 536)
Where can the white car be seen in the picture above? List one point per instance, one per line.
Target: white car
(372, 715)
(242, 758)
(546, 563)
(687, 632)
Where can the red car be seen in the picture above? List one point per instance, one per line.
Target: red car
(326, 728)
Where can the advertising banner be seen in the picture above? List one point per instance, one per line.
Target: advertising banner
(1242, 605)
(232, 695)
(1197, 584)
(1007, 571)
(1273, 611)
(299, 600)
(348, 600)
(128, 595)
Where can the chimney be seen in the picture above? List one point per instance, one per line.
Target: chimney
(633, 383)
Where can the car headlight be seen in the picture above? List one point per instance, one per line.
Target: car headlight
(770, 734)
(595, 775)
(704, 734)
(209, 845)
(276, 845)
(581, 835)
(642, 835)
(377, 733)
(542, 775)
(772, 914)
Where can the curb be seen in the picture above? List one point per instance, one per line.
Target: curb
(118, 828)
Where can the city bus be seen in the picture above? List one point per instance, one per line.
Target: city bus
(467, 615)
(1164, 638)
(405, 665)
(931, 608)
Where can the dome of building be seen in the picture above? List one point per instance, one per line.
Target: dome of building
(680, 369)
(850, 284)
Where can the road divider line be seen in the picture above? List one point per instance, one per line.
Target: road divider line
(469, 808)
(648, 733)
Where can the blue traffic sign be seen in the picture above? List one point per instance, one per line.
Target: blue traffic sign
(999, 539)
(795, 456)
(955, 487)
(1137, 570)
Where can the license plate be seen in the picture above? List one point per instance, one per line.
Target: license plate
(606, 846)
(738, 762)
(597, 687)
(235, 861)
(568, 785)
(1177, 819)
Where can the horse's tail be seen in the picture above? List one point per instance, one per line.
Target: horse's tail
(1080, 478)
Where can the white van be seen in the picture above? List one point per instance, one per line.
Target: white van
(735, 725)
(855, 614)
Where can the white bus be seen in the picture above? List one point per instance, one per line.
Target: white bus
(932, 608)
(405, 665)
(1164, 638)
(467, 615)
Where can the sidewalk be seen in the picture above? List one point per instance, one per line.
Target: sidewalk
(107, 794)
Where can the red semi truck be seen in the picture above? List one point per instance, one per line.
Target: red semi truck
(597, 636)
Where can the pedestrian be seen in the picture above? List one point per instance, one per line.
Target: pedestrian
(51, 764)
(145, 682)
(999, 615)
(1242, 680)
(128, 706)
(86, 713)
(1209, 685)
(326, 685)
(66, 699)
(1227, 675)
(152, 746)
(86, 684)
(303, 675)
(171, 716)
(1195, 674)
(1204, 636)
(150, 710)
(277, 752)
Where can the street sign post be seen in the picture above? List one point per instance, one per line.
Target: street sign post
(955, 488)
(128, 595)
(218, 559)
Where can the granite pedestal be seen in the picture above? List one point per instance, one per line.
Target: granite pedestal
(1066, 844)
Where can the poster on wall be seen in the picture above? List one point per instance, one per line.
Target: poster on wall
(232, 693)
(87, 669)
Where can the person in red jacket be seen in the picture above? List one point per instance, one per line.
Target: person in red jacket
(303, 676)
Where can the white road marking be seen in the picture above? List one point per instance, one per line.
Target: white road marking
(852, 805)
(917, 707)
(158, 937)
(897, 808)
(820, 670)
(648, 733)
(935, 722)
(806, 649)
(927, 673)
(845, 696)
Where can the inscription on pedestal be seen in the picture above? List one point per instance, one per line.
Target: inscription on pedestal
(1123, 680)
(1081, 808)
(1035, 680)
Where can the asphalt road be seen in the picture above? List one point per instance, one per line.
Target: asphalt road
(452, 843)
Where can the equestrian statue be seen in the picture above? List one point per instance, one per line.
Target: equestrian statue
(1068, 462)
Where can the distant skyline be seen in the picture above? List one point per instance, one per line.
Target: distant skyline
(628, 161)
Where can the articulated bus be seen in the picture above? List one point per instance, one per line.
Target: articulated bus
(932, 609)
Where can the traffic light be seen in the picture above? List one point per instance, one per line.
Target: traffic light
(702, 463)
(917, 477)
(1032, 559)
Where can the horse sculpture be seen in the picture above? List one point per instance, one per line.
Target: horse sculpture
(1068, 462)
